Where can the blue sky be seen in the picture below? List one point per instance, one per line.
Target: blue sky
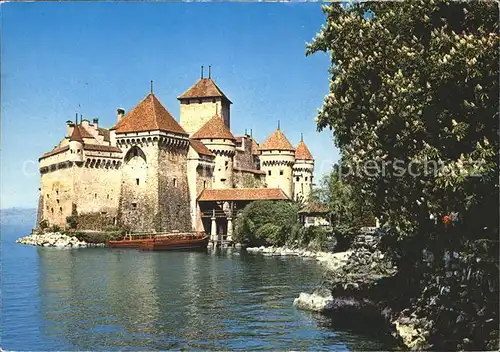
(62, 58)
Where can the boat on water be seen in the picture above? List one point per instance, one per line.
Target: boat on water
(186, 242)
(169, 241)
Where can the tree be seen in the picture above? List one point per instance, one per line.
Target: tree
(413, 106)
(267, 223)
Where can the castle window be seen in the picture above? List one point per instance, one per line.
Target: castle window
(306, 178)
(60, 209)
(204, 184)
(95, 195)
(298, 178)
(175, 182)
(137, 181)
(47, 207)
(269, 172)
(199, 101)
(57, 192)
(52, 210)
(222, 180)
(134, 205)
(57, 200)
(48, 196)
(281, 172)
(107, 197)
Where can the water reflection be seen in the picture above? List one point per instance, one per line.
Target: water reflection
(102, 299)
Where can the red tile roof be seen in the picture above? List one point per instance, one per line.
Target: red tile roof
(54, 151)
(148, 115)
(302, 152)
(242, 194)
(315, 208)
(105, 133)
(253, 171)
(84, 132)
(200, 148)
(215, 128)
(277, 141)
(76, 135)
(101, 148)
(204, 88)
(255, 147)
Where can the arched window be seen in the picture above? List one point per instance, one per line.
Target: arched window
(134, 152)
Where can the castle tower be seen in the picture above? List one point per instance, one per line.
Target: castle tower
(277, 159)
(154, 192)
(217, 137)
(302, 172)
(200, 103)
(76, 144)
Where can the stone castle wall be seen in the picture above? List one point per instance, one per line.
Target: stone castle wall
(138, 203)
(243, 157)
(244, 179)
(57, 193)
(195, 114)
(173, 190)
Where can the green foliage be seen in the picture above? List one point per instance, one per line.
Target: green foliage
(98, 237)
(55, 228)
(72, 221)
(266, 223)
(43, 224)
(414, 86)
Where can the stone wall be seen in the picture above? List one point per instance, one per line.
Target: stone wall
(246, 179)
(97, 189)
(138, 203)
(194, 115)
(278, 168)
(173, 190)
(243, 157)
(57, 191)
(94, 221)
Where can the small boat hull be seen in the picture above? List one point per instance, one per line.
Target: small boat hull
(127, 243)
(182, 244)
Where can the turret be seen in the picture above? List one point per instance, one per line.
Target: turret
(277, 159)
(302, 172)
(215, 135)
(201, 102)
(76, 144)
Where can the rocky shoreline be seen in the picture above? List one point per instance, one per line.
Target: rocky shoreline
(332, 261)
(363, 285)
(56, 239)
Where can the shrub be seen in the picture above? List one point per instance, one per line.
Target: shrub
(72, 221)
(266, 223)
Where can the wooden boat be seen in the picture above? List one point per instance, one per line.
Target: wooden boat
(130, 241)
(179, 242)
(162, 241)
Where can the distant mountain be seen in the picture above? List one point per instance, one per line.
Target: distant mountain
(18, 216)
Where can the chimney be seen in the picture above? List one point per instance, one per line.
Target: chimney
(95, 122)
(120, 113)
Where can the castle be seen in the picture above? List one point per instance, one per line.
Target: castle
(152, 173)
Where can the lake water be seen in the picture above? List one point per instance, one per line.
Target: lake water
(108, 299)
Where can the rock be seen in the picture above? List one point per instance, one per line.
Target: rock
(313, 302)
(53, 239)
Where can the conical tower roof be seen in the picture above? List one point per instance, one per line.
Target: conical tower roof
(302, 152)
(215, 128)
(76, 135)
(148, 115)
(277, 141)
(204, 88)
